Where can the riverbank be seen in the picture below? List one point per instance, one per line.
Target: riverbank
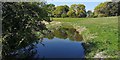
(100, 35)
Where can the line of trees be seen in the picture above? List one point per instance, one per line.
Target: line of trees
(78, 10)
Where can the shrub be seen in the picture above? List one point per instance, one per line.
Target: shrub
(95, 16)
(102, 15)
(64, 15)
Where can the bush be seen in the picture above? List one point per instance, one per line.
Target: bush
(95, 16)
(57, 15)
(64, 15)
(102, 15)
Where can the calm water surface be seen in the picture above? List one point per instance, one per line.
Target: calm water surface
(58, 43)
(59, 48)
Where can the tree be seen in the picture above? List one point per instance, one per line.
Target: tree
(71, 14)
(50, 8)
(81, 13)
(89, 13)
(64, 15)
(66, 8)
(106, 9)
(60, 10)
(20, 22)
(73, 7)
(79, 10)
(118, 8)
(113, 8)
(81, 6)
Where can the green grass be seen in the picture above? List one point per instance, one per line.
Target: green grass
(105, 29)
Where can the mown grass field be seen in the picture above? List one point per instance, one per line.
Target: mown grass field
(105, 29)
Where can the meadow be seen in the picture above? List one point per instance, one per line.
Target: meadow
(101, 34)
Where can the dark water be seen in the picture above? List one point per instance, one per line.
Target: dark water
(59, 48)
(58, 43)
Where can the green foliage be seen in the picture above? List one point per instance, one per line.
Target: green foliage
(78, 9)
(81, 7)
(113, 9)
(74, 11)
(20, 22)
(102, 15)
(64, 15)
(101, 5)
(119, 8)
(73, 7)
(60, 10)
(90, 13)
(71, 14)
(62, 31)
(102, 10)
(50, 8)
(107, 9)
(81, 13)
(66, 8)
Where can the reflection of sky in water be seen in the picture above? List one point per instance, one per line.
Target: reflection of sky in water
(59, 48)
(59, 43)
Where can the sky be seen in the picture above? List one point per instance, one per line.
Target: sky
(90, 4)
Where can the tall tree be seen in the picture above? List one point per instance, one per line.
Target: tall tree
(78, 9)
(66, 8)
(106, 9)
(61, 10)
(89, 13)
(50, 8)
(118, 8)
(20, 22)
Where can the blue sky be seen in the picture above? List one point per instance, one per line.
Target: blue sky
(90, 4)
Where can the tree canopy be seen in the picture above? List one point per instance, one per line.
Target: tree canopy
(106, 9)
(60, 10)
(50, 8)
(78, 9)
(20, 22)
(89, 13)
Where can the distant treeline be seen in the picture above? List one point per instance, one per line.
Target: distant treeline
(104, 9)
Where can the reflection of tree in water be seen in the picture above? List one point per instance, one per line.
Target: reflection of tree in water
(64, 33)
(60, 34)
(49, 35)
(22, 53)
(25, 52)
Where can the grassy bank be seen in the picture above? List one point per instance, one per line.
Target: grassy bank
(104, 32)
